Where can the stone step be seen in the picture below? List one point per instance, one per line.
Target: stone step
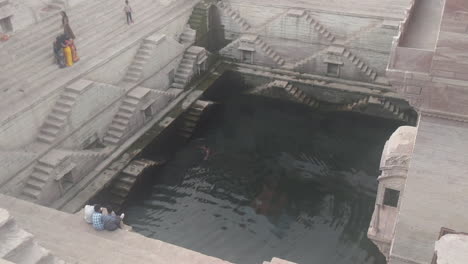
(122, 187)
(130, 79)
(192, 118)
(186, 60)
(119, 193)
(35, 184)
(124, 115)
(128, 179)
(58, 117)
(111, 140)
(133, 74)
(189, 57)
(50, 131)
(117, 127)
(11, 238)
(180, 80)
(182, 75)
(115, 134)
(178, 85)
(186, 129)
(184, 134)
(31, 193)
(185, 71)
(121, 121)
(66, 103)
(45, 138)
(127, 108)
(144, 52)
(39, 175)
(138, 68)
(53, 123)
(29, 252)
(131, 101)
(43, 167)
(190, 124)
(141, 57)
(61, 110)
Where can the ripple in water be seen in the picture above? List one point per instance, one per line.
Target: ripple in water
(280, 182)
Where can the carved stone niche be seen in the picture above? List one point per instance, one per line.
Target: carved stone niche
(247, 48)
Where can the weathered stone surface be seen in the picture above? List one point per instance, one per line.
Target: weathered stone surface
(79, 242)
(451, 249)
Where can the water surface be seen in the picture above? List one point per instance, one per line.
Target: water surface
(280, 181)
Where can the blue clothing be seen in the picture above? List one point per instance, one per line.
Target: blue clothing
(98, 224)
(111, 222)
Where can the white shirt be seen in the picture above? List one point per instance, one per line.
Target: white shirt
(88, 213)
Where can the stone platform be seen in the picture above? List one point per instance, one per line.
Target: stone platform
(71, 239)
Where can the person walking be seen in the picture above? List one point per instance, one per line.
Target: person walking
(66, 26)
(128, 12)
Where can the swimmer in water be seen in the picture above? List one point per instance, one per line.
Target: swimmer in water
(207, 152)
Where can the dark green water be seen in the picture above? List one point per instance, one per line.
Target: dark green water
(281, 181)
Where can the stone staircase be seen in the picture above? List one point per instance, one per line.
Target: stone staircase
(198, 18)
(27, 63)
(321, 29)
(269, 51)
(191, 118)
(38, 179)
(301, 97)
(135, 70)
(360, 64)
(386, 105)
(57, 119)
(296, 94)
(89, 153)
(188, 37)
(185, 70)
(120, 122)
(263, 87)
(233, 15)
(120, 188)
(172, 92)
(19, 246)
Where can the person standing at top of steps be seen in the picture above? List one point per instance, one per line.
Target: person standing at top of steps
(66, 26)
(128, 12)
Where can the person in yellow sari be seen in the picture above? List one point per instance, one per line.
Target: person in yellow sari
(72, 46)
(68, 55)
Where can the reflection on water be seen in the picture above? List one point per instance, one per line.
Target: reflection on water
(279, 181)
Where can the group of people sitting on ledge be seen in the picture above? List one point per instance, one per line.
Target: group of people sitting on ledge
(64, 47)
(104, 218)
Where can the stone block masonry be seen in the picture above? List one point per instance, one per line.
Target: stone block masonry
(296, 36)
